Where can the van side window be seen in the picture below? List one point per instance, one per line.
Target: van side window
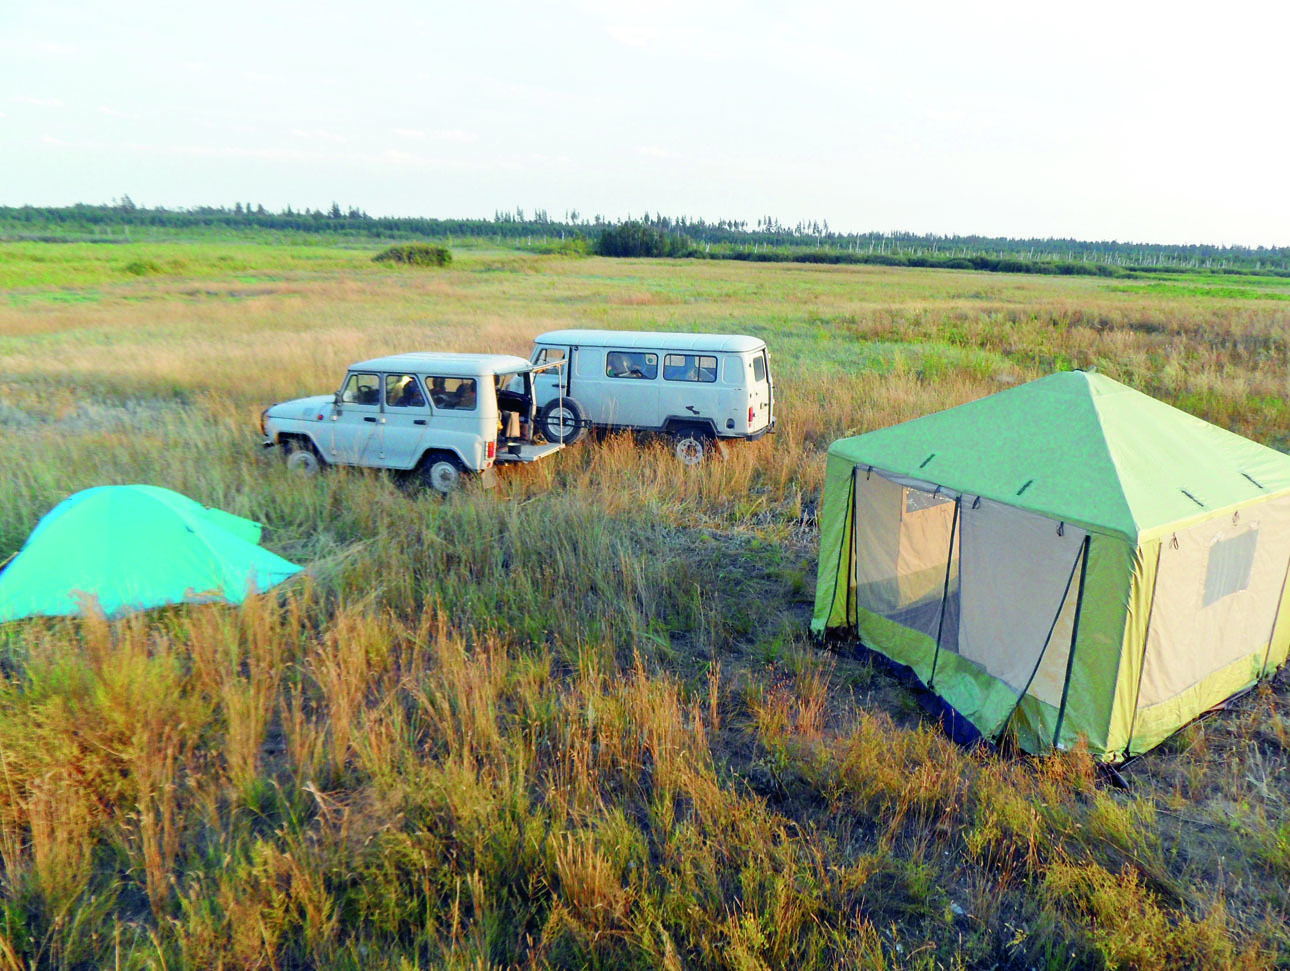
(690, 367)
(631, 364)
(452, 394)
(759, 368)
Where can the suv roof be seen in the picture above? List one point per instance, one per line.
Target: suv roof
(653, 340)
(448, 365)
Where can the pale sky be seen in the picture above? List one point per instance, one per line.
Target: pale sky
(1148, 122)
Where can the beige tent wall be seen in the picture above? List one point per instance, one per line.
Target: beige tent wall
(1192, 633)
(1016, 569)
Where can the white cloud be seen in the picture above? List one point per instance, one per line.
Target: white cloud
(409, 133)
(105, 110)
(456, 135)
(38, 102)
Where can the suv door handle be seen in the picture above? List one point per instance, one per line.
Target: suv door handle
(369, 418)
(418, 421)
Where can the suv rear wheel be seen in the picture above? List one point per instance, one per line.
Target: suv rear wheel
(443, 473)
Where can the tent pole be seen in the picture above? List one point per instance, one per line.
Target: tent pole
(1146, 637)
(1267, 655)
(1044, 650)
(1070, 659)
(945, 590)
(849, 543)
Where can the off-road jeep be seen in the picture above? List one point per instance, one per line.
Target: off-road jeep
(445, 416)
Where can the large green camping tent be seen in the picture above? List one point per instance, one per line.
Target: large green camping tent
(1065, 558)
(131, 547)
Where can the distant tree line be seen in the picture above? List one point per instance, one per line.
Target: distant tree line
(653, 235)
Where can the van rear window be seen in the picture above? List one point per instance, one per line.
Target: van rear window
(759, 368)
(690, 367)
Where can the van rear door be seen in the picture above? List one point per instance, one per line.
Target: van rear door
(760, 392)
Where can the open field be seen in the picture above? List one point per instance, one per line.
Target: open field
(577, 721)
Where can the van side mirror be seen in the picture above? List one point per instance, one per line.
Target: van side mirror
(335, 403)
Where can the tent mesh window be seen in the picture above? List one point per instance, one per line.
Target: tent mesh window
(1230, 563)
(907, 557)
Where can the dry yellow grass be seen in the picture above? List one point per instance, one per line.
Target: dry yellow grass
(576, 721)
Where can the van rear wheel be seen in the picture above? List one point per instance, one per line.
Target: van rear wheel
(692, 446)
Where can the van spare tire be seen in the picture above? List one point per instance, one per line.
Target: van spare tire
(562, 420)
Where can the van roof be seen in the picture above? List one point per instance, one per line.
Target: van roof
(448, 365)
(653, 340)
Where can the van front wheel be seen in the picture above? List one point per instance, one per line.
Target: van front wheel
(563, 420)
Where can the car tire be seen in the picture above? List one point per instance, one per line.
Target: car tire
(562, 420)
(443, 473)
(301, 457)
(692, 446)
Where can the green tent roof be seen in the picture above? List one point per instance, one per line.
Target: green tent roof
(133, 547)
(1080, 447)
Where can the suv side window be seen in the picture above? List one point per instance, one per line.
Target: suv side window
(403, 391)
(453, 394)
(690, 367)
(361, 388)
(631, 364)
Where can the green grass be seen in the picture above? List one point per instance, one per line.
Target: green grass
(1258, 291)
(575, 721)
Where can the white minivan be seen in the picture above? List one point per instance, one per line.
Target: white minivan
(699, 389)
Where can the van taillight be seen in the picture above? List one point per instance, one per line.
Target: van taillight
(750, 414)
(492, 451)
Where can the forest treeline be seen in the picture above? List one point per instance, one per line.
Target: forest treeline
(766, 239)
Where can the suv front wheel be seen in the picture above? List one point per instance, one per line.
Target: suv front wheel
(301, 457)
